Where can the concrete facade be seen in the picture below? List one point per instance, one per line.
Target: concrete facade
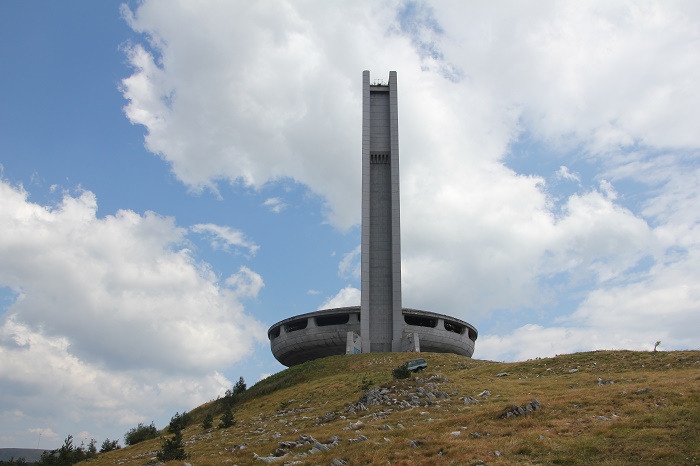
(380, 323)
(381, 223)
(325, 333)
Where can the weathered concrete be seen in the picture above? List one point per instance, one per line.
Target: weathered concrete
(380, 323)
(324, 333)
(381, 238)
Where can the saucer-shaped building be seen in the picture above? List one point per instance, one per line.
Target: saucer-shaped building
(380, 323)
(324, 333)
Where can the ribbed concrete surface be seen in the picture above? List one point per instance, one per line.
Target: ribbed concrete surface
(316, 334)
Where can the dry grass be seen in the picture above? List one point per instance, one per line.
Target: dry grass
(581, 421)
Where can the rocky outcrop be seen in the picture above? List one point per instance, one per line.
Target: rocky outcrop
(515, 411)
(284, 448)
(425, 392)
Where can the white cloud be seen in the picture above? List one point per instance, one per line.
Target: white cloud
(245, 283)
(283, 114)
(46, 433)
(114, 312)
(275, 204)
(564, 174)
(607, 73)
(350, 266)
(609, 86)
(348, 296)
(661, 305)
(223, 237)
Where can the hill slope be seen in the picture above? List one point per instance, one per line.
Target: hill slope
(602, 408)
(30, 455)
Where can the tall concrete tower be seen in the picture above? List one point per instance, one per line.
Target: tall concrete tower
(379, 324)
(380, 306)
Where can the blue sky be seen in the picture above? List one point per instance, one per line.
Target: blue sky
(175, 178)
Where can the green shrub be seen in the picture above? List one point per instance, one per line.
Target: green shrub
(240, 386)
(172, 449)
(91, 451)
(227, 420)
(140, 433)
(179, 422)
(401, 372)
(366, 383)
(14, 462)
(208, 421)
(109, 445)
(233, 394)
(66, 455)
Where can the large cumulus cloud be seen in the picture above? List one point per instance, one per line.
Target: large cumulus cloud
(254, 93)
(113, 316)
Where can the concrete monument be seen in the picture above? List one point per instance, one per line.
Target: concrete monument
(380, 323)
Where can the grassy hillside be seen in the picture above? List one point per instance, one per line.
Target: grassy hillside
(601, 408)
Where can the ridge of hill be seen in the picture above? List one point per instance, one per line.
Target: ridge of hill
(30, 455)
(602, 408)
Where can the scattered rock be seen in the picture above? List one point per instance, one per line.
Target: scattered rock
(515, 411)
(361, 438)
(456, 433)
(327, 417)
(642, 391)
(484, 393)
(414, 443)
(572, 371)
(338, 462)
(602, 418)
(283, 448)
(403, 397)
(503, 374)
(438, 378)
(354, 426)
(269, 459)
(469, 400)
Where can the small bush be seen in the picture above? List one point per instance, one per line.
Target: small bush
(172, 449)
(14, 462)
(66, 455)
(285, 404)
(240, 386)
(401, 372)
(91, 451)
(140, 433)
(179, 422)
(208, 421)
(227, 420)
(109, 445)
(366, 383)
(233, 394)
